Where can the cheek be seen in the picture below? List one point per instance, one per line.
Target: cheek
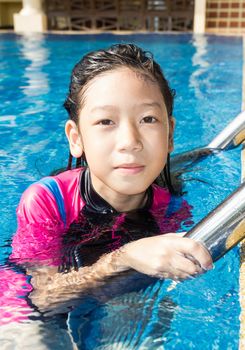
(96, 149)
(159, 149)
(158, 142)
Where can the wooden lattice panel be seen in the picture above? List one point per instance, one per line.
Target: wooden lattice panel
(150, 15)
(131, 6)
(56, 6)
(105, 5)
(104, 23)
(181, 5)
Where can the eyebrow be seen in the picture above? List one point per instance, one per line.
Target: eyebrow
(151, 104)
(111, 107)
(103, 107)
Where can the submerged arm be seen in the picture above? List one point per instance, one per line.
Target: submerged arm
(164, 256)
(54, 290)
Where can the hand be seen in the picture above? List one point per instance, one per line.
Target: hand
(166, 256)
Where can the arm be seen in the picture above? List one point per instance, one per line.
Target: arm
(56, 292)
(164, 256)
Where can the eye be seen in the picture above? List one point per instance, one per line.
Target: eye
(105, 122)
(149, 120)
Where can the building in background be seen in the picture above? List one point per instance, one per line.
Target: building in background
(7, 10)
(225, 16)
(211, 16)
(136, 15)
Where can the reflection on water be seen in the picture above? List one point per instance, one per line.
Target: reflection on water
(35, 335)
(8, 120)
(201, 65)
(26, 84)
(36, 81)
(132, 321)
(154, 317)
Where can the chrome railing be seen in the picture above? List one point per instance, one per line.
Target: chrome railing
(232, 136)
(224, 227)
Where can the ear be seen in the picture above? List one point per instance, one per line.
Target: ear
(74, 138)
(171, 134)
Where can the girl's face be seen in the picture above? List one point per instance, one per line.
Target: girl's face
(124, 132)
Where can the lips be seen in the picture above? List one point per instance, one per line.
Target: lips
(130, 168)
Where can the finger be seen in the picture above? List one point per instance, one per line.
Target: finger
(195, 249)
(186, 266)
(191, 258)
(201, 254)
(180, 268)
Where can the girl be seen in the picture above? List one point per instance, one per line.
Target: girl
(121, 127)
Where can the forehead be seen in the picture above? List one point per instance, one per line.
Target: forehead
(121, 88)
(125, 72)
(121, 81)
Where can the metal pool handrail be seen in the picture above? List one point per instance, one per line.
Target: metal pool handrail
(231, 136)
(224, 227)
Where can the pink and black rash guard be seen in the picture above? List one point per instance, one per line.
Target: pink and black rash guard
(63, 221)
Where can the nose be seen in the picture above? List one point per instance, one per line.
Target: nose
(128, 138)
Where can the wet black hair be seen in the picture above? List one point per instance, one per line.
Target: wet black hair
(116, 56)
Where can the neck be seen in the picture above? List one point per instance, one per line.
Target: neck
(126, 203)
(120, 202)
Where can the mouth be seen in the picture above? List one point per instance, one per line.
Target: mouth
(130, 168)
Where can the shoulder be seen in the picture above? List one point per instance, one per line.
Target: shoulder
(37, 203)
(42, 217)
(68, 178)
(68, 183)
(47, 198)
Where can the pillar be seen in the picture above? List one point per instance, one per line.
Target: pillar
(31, 18)
(199, 17)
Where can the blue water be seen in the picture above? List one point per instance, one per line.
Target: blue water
(206, 72)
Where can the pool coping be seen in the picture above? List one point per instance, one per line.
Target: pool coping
(121, 32)
(242, 247)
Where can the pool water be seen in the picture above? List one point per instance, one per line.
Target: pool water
(206, 72)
